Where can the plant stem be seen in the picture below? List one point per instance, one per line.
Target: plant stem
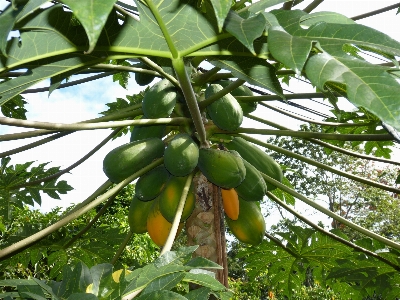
(203, 104)
(331, 214)
(203, 78)
(276, 97)
(375, 12)
(320, 165)
(317, 135)
(122, 247)
(327, 145)
(88, 226)
(279, 243)
(125, 69)
(191, 100)
(16, 247)
(330, 234)
(178, 215)
(74, 165)
(90, 126)
(34, 144)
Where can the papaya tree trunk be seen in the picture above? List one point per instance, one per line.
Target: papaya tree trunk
(205, 227)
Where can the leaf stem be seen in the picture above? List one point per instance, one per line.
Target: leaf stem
(331, 214)
(330, 234)
(125, 69)
(317, 135)
(191, 100)
(178, 215)
(279, 243)
(276, 97)
(122, 247)
(90, 126)
(74, 165)
(327, 145)
(163, 27)
(203, 104)
(310, 7)
(72, 215)
(375, 12)
(320, 165)
(204, 77)
(160, 70)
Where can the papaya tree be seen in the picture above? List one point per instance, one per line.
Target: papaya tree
(216, 63)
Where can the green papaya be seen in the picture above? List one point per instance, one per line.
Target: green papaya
(253, 187)
(250, 226)
(137, 215)
(143, 79)
(159, 101)
(170, 197)
(258, 158)
(141, 132)
(247, 107)
(181, 155)
(226, 112)
(151, 184)
(223, 168)
(127, 159)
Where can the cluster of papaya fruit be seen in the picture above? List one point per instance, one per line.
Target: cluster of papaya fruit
(234, 166)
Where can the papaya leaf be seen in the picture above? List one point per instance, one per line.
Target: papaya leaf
(15, 108)
(290, 50)
(101, 277)
(204, 280)
(221, 10)
(7, 20)
(31, 292)
(324, 16)
(57, 260)
(199, 294)
(30, 7)
(367, 86)
(166, 282)
(82, 296)
(261, 6)
(180, 257)
(121, 77)
(245, 30)
(92, 15)
(201, 262)
(255, 71)
(161, 295)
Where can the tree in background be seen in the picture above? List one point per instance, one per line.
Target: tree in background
(182, 129)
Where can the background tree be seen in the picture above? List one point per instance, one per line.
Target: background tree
(248, 44)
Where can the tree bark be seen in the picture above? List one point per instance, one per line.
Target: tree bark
(205, 227)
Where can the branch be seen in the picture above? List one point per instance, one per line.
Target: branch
(331, 214)
(375, 12)
(16, 247)
(177, 219)
(320, 165)
(90, 126)
(122, 247)
(318, 135)
(74, 165)
(327, 145)
(330, 234)
(310, 7)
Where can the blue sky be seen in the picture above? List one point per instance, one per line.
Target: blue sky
(85, 102)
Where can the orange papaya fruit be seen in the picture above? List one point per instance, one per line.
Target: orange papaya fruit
(230, 201)
(137, 215)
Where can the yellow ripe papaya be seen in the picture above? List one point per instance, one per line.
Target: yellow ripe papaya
(157, 226)
(249, 227)
(170, 197)
(137, 215)
(230, 201)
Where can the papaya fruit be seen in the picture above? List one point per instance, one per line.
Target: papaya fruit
(253, 187)
(223, 168)
(141, 132)
(247, 107)
(170, 197)
(157, 226)
(151, 184)
(181, 155)
(226, 112)
(230, 202)
(143, 79)
(137, 215)
(159, 101)
(127, 159)
(250, 226)
(258, 158)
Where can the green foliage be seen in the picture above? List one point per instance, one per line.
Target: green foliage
(153, 281)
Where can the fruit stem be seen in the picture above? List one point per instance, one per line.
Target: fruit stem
(178, 215)
(330, 213)
(191, 100)
(203, 104)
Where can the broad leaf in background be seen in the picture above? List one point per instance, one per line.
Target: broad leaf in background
(221, 9)
(7, 20)
(92, 15)
(324, 16)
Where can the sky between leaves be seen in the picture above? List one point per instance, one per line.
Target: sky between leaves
(84, 102)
